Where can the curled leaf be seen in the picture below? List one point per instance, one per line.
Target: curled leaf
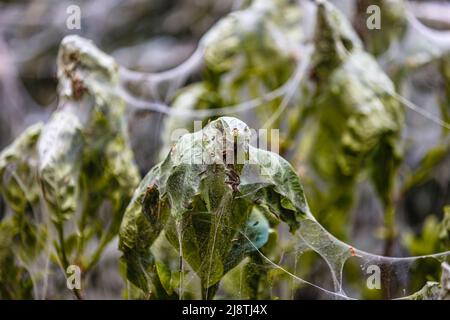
(205, 201)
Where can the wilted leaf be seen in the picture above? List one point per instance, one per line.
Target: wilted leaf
(210, 221)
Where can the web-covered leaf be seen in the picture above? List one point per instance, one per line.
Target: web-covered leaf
(352, 125)
(15, 281)
(77, 164)
(18, 165)
(247, 54)
(206, 205)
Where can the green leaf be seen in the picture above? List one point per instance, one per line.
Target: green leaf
(18, 166)
(207, 220)
(434, 236)
(352, 124)
(59, 151)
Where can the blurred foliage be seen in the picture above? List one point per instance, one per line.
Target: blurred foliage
(434, 237)
(351, 126)
(344, 120)
(75, 163)
(244, 58)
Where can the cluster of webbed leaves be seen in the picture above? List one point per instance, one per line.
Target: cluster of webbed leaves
(211, 206)
(22, 236)
(247, 54)
(348, 120)
(405, 49)
(352, 124)
(349, 124)
(408, 46)
(213, 199)
(211, 209)
(57, 176)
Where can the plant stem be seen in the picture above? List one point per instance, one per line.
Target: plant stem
(390, 230)
(64, 260)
